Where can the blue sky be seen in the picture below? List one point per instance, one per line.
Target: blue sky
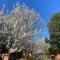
(46, 8)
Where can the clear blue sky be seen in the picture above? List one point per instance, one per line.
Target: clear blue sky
(46, 8)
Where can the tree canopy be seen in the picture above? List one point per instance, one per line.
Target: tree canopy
(54, 29)
(17, 28)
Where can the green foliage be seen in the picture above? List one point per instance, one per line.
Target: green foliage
(54, 28)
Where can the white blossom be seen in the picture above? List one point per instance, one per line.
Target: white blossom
(17, 27)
